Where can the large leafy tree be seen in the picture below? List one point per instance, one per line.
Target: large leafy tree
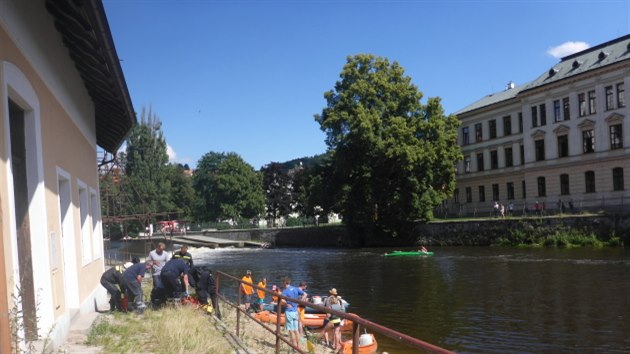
(145, 162)
(182, 192)
(392, 157)
(227, 188)
(277, 187)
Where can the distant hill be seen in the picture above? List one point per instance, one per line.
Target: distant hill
(307, 162)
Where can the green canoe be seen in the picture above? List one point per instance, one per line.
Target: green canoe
(408, 253)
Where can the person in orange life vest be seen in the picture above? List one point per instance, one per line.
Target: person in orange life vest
(261, 294)
(247, 290)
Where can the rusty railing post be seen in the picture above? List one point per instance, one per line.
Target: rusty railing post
(238, 311)
(356, 333)
(278, 319)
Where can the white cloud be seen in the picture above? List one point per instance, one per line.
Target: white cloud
(172, 155)
(567, 48)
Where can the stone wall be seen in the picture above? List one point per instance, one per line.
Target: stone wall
(455, 233)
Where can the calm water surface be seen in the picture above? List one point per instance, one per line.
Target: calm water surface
(466, 299)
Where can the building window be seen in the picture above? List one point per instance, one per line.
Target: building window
(480, 162)
(621, 97)
(564, 184)
(492, 124)
(456, 195)
(589, 181)
(495, 192)
(523, 190)
(616, 137)
(520, 122)
(467, 164)
(563, 146)
(534, 116)
(610, 104)
(543, 114)
(542, 189)
(617, 179)
(510, 191)
(582, 104)
(556, 111)
(540, 149)
(466, 136)
(494, 160)
(592, 102)
(468, 195)
(478, 133)
(566, 108)
(482, 193)
(507, 125)
(588, 141)
(509, 158)
(522, 153)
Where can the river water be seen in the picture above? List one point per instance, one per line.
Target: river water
(465, 299)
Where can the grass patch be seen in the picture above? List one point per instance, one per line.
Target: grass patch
(165, 331)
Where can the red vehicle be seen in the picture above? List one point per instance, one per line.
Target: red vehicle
(172, 227)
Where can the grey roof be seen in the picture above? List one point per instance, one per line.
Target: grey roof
(492, 99)
(590, 59)
(593, 58)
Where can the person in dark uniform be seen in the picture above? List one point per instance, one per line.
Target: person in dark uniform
(184, 255)
(202, 280)
(173, 271)
(133, 277)
(112, 280)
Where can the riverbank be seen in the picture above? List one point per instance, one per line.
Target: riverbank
(177, 330)
(457, 232)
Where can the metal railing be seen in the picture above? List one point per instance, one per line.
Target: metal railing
(357, 321)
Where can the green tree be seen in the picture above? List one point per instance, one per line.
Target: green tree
(145, 163)
(277, 189)
(392, 157)
(182, 191)
(227, 188)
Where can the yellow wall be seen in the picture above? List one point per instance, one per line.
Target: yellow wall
(63, 146)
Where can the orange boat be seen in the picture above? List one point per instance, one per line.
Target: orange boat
(367, 344)
(312, 320)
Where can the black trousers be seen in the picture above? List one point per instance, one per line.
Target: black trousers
(112, 289)
(172, 285)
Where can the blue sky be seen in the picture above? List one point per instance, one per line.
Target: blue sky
(248, 76)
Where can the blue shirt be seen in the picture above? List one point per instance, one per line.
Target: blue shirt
(176, 266)
(293, 292)
(131, 274)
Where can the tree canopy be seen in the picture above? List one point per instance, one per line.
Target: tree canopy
(227, 188)
(145, 163)
(392, 157)
(277, 187)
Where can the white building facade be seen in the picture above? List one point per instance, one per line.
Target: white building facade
(561, 142)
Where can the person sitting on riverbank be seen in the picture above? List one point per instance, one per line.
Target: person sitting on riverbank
(424, 249)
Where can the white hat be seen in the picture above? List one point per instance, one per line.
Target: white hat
(127, 265)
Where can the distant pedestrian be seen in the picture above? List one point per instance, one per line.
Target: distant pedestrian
(502, 210)
(495, 208)
(511, 209)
